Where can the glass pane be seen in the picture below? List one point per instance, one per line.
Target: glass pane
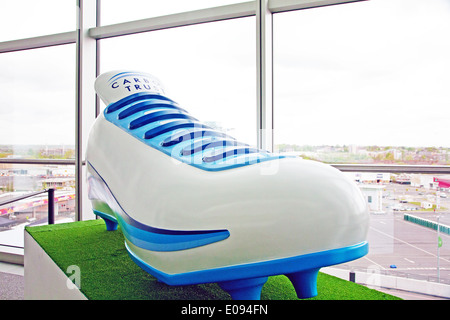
(116, 11)
(368, 82)
(403, 238)
(18, 180)
(37, 103)
(27, 18)
(365, 82)
(209, 69)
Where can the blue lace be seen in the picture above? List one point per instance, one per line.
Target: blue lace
(162, 124)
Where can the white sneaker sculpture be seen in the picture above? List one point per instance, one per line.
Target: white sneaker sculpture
(197, 206)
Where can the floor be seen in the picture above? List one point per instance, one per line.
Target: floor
(12, 282)
(407, 295)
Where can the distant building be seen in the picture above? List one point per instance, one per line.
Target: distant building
(442, 182)
(374, 197)
(426, 205)
(370, 177)
(423, 181)
(64, 203)
(402, 179)
(58, 183)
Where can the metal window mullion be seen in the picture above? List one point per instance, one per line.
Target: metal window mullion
(78, 109)
(239, 10)
(276, 6)
(264, 85)
(86, 64)
(97, 53)
(39, 161)
(419, 169)
(232, 11)
(413, 169)
(38, 42)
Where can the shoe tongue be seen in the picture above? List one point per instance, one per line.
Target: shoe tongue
(115, 85)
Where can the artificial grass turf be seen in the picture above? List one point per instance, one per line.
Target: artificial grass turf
(108, 273)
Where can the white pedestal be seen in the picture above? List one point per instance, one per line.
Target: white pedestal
(44, 280)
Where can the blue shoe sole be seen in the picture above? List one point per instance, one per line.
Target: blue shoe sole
(244, 282)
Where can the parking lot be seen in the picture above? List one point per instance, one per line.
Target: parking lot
(408, 199)
(403, 248)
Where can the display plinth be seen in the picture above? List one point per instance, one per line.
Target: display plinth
(84, 253)
(44, 280)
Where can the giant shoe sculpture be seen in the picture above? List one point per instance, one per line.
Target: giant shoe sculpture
(197, 206)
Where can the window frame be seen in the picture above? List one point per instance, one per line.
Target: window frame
(89, 31)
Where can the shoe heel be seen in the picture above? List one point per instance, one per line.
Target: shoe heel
(305, 283)
(245, 289)
(110, 221)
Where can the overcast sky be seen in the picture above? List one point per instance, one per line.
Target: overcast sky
(374, 72)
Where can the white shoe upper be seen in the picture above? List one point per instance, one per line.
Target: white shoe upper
(272, 209)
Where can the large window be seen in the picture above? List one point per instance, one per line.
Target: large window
(17, 180)
(364, 83)
(37, 103)
(37, 124)
(367, 84)
(362, 86)
(37, 115)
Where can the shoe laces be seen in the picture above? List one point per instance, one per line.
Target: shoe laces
(162, 124)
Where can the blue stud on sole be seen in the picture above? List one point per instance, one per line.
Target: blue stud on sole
(244, 289)
(110, 221)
